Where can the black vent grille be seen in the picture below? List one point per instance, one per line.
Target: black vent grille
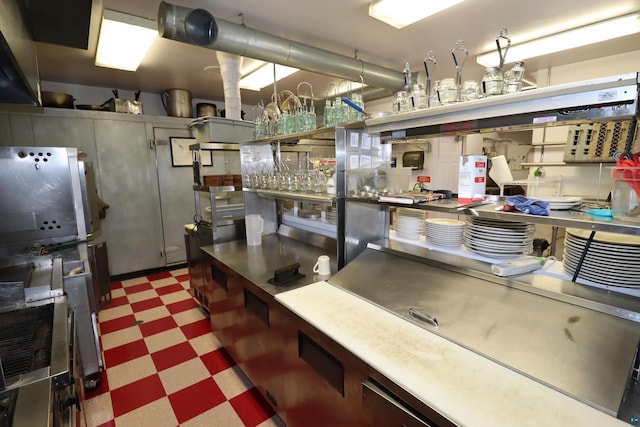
(25, 339)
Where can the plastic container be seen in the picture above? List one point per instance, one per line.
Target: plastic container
(217, 129)
(625, 197)
(254, 225)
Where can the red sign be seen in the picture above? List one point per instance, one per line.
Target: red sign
(424, 178)
(481, 165)
(479, 179)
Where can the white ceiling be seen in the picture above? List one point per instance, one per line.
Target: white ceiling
(339, 26)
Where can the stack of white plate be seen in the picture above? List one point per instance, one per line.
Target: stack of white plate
(444, 231)
(409, 223)
(497, 238)
(331, 215)
(562, 203)
(612, 259)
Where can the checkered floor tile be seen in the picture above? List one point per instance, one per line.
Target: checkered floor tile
(164, 367)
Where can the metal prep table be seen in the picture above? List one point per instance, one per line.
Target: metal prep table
(585, 350)
(258, 263)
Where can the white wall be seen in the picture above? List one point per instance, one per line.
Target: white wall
(602, 67)
(583, 180)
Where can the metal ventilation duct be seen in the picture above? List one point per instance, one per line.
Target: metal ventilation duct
(199, 27)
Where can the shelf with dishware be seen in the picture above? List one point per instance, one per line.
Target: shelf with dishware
(225, 201)
(218, 198)
(581, 102)
(296, 182)
(568, 216)
(599, 101)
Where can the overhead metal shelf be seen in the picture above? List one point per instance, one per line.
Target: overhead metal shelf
(601, 99)
(319, 198)
(560, 218)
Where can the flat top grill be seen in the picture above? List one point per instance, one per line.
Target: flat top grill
(25, 339)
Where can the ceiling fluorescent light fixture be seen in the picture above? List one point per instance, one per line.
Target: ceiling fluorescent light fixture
(582, 36)
(263, 76)
(124, 40)
(400, 13)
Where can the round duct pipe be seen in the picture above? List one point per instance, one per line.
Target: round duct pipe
(199, 27)
(230, 66)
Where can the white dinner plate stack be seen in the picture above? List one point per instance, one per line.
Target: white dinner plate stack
(497, 238)
(612, 259)
(331, 215)
(444, 231)
(562, 203)
(409, 223)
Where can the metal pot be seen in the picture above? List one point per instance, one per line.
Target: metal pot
(177, 102)
(204, 109)
(57, 99)
(91, 107)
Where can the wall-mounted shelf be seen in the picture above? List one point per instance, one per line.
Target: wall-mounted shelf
(535, 164)
(548, 144)
(222, 189)
(327, 133)
(582, 102)
(319, 198)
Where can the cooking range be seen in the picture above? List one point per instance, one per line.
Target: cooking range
(39, 377)
(48, 336)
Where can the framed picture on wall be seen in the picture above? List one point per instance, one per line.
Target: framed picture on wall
(181, 154)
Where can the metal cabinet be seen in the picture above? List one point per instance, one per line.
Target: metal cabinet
(223, 298)
(381, 407)
(259, 344)
(322, 381)
(132, 226)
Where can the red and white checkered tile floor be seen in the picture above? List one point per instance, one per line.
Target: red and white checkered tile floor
(164, 367)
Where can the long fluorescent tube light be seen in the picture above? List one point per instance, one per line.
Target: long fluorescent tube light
(124, 40)
(263, 76)
(582, 36)
(400, 13)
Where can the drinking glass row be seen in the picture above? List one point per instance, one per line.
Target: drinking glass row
(285, 124)
(312, 181)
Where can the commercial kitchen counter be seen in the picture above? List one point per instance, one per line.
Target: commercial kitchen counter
(573, 349)
(503, 353)
(258, 263)
(463, 386)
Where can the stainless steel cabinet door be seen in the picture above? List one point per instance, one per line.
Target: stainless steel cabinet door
(176, 194)
(133, 226)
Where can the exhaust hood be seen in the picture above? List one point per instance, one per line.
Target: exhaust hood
(19, 80)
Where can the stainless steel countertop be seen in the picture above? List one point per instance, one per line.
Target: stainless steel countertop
(258, 263)
(584, 353)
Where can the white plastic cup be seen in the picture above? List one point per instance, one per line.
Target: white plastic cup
(322, 266)
(254, 224)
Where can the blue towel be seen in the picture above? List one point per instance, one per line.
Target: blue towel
(529, 206)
